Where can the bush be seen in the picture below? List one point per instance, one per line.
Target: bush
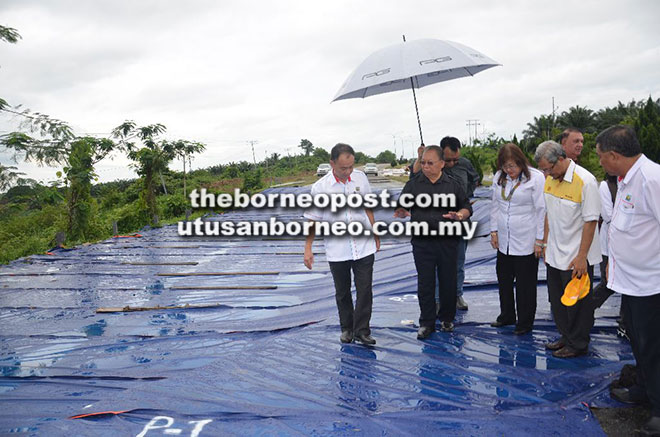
(172, 205)
(29, 232)
(130, 217)
(252, 181)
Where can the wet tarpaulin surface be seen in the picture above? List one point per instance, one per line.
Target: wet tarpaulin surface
(249, 345)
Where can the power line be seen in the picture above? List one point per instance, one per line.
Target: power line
(252, 143)
(469, 124)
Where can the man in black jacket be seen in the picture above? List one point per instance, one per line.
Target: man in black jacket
(435, 256)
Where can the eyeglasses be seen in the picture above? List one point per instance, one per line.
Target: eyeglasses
(423, 163)
(509, 167)
(547, 170)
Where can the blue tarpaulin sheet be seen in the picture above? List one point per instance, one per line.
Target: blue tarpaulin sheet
(259, 354)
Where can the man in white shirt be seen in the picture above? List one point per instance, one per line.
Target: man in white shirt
(572, 141)
(634, 266)
(572, 207)
(346, 253)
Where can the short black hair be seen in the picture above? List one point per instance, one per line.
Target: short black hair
(452, 142)
(339, 149)
(567, 132)
(620, 139)
(437, 150)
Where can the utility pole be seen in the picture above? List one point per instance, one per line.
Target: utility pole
(552, 122)
(252, 143)
(394, 144)
(469, 124)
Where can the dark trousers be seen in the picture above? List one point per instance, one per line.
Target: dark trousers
(642, 316)
(574, 323)
(460, 265)
(524, 271)
(601, 292)
(350, 319)
(436, 259)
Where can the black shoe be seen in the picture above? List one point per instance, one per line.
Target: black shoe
(346, 337)
(522, 331)
(461, 304)
(424, 332)
(498, 324)
(634, 395)
(652, 427)
(446, 326)
(365, 339)
(569, 352)
(555, 345)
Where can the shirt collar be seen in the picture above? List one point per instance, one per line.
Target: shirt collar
(520, 177)
(442, 177)
(337, 179)
(636, 166)
(568, 176)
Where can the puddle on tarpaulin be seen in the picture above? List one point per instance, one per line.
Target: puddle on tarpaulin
(41, 357)
(296, 279)
(95, 329)
(237, 299)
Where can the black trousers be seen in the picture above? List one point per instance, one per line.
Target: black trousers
(601, 292)
(574, 323)
(642, 316)
(524, 271)
(354, 319)
(436, 259)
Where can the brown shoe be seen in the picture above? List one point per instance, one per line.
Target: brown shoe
(569, 352)
(555, 345)
(346, 336)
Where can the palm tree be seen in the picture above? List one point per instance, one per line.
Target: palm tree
(540, 128)
(578, 117)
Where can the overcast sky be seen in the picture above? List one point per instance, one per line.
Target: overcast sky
(228, 72)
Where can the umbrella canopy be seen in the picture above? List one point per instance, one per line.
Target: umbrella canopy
(425, 61)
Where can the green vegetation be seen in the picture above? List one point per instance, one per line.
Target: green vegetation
(31, 214)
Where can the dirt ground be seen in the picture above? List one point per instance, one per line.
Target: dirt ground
(621, 422)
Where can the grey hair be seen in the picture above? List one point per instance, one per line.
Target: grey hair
(550, 150)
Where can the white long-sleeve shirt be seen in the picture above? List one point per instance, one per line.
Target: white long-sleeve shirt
(518, 221)
(606, 207)
(634, 240)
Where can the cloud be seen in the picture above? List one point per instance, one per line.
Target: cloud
(232, 71)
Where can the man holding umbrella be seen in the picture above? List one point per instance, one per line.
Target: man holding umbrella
(435, 256)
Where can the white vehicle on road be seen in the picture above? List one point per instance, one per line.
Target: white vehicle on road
(371, 168)
(323, 170)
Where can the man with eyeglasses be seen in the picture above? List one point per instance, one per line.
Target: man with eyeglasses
(571, 244)
(460, 168)
(435, 256)
(634, 271)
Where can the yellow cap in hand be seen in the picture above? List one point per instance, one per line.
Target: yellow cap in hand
(575, 290)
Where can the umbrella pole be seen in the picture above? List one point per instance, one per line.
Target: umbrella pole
(412, 87)
(419, 123)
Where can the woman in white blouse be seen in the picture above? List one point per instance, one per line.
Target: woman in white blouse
(516, 223)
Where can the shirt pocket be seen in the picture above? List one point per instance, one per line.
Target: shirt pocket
(623, 217)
